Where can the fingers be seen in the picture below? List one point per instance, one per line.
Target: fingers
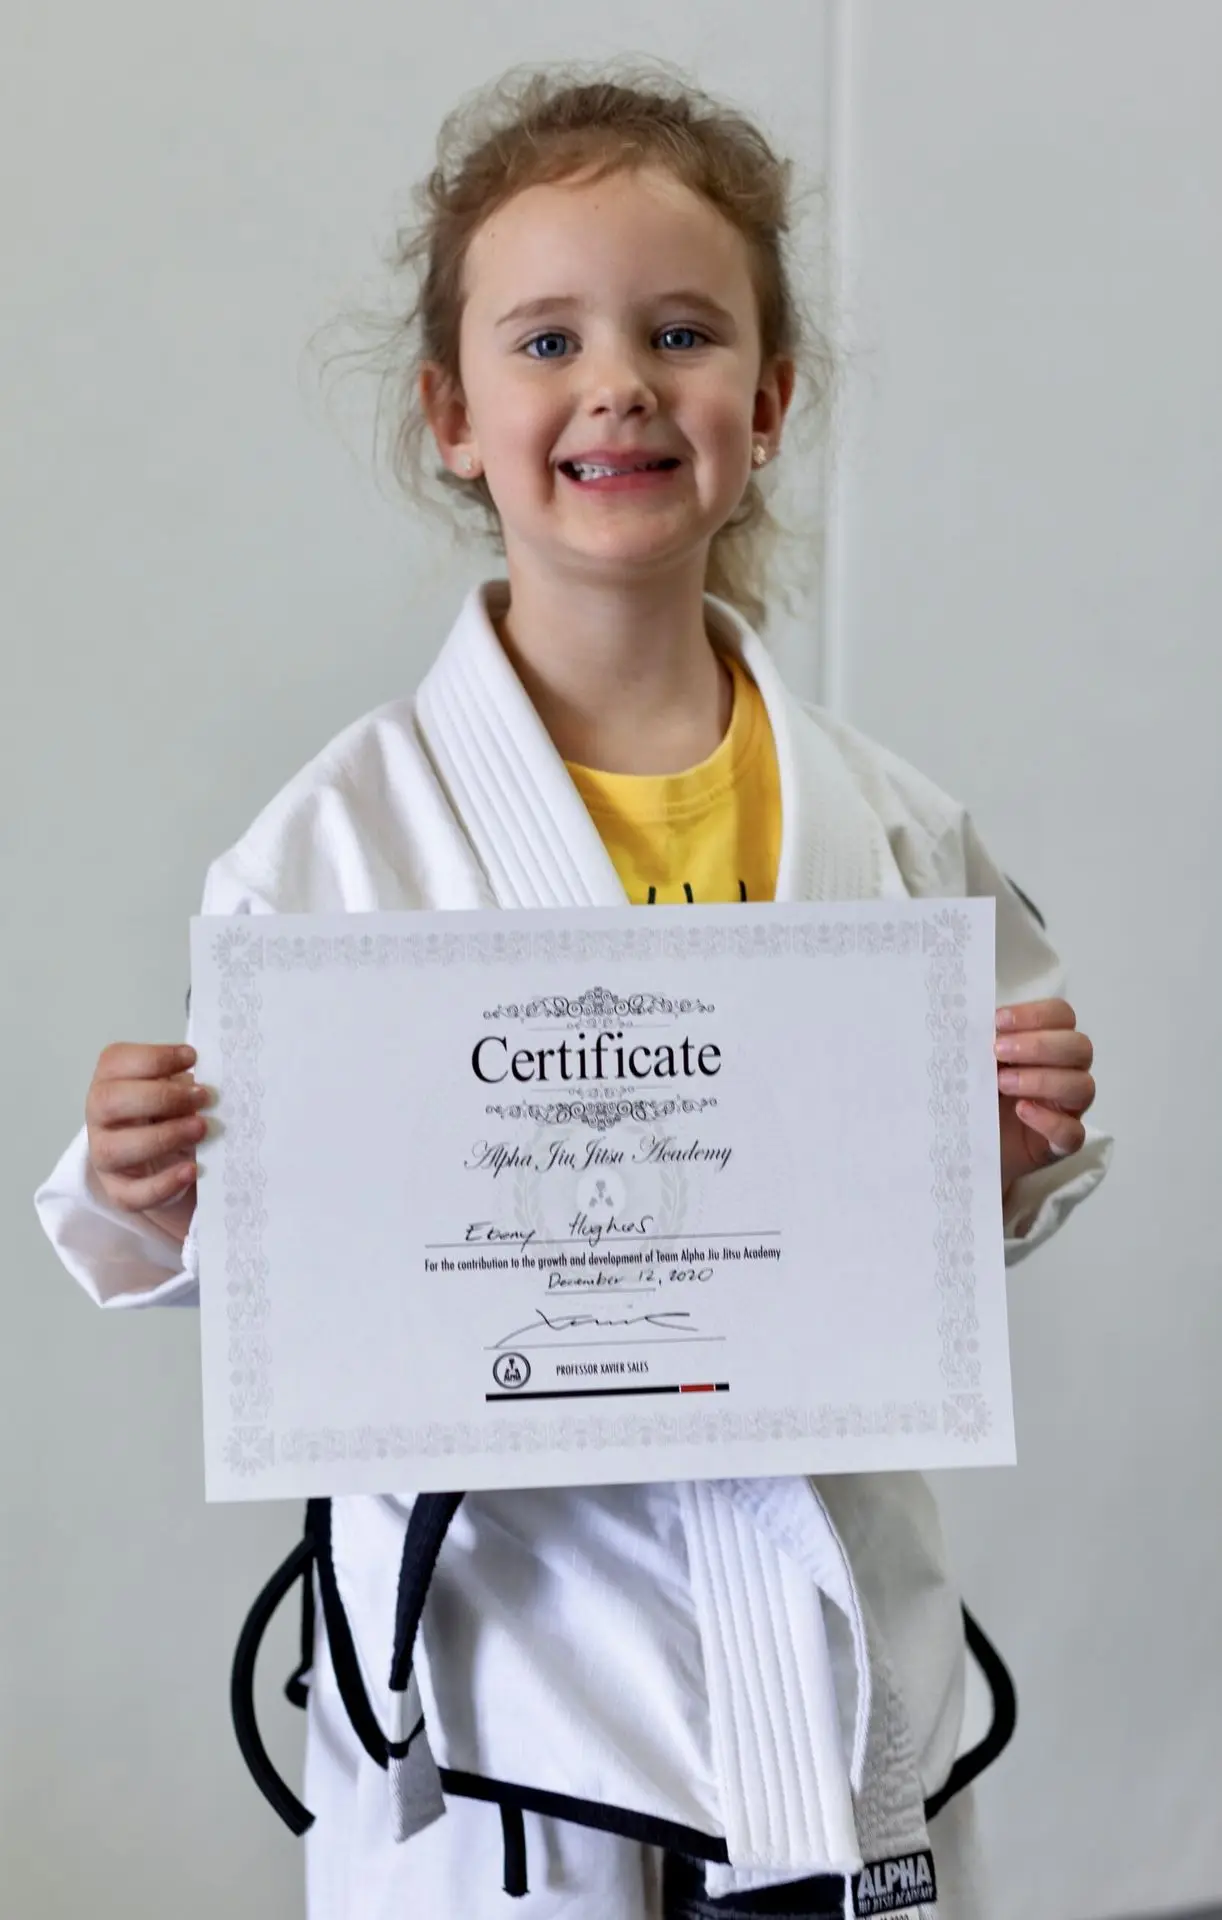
(137, 1193)
(1063, 1132)
(1062, 1087)
(1046, 1047)
(127, 1061)
(1044, 1068)
(1027, 1014)
(144, 1120)
(118, 1103)
(122, 1150)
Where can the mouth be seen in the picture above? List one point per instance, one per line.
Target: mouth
(592, 473)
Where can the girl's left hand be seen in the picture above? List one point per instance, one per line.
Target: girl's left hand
(1043, 1084)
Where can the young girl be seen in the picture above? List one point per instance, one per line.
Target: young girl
(730, 1698)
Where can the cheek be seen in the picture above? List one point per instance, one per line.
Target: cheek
(497, 399)
(525, 425)
(725, 409)
(730, 438)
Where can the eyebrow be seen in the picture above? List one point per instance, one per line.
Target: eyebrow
(688, 298)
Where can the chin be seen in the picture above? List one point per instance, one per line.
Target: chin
(647, 556)
(643, 541)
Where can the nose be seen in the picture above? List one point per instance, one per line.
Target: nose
(618, 386)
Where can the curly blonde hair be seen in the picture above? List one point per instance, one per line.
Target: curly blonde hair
(544, 125)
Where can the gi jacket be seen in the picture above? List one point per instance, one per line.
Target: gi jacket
(767, 1674)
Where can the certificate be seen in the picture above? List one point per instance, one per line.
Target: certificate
(603, 1195)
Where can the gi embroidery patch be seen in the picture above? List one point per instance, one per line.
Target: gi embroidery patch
(887, 1886)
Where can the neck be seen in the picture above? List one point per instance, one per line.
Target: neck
(623, 676)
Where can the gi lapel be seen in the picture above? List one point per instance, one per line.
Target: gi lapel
(526, 821)
(505, 780)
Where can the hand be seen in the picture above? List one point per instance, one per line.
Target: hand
(144, 1123)
(1043, 1084)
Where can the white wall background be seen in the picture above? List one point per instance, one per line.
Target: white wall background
(201, 585)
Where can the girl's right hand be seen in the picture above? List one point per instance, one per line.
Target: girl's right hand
(144, 1124)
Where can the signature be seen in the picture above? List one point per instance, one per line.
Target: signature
(569, 1322)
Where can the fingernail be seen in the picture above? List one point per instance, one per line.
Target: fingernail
(1008, 1049)
(186, 1055)
(1005, 1017)
(1009, 1081)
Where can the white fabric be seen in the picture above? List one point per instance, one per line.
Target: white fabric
(586, 1613)
(772, 1699)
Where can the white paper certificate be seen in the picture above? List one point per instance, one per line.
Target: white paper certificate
(609, 1195)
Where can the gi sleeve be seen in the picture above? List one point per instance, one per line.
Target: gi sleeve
(121, 1259)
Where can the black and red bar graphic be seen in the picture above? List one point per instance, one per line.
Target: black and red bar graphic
(608, 1393)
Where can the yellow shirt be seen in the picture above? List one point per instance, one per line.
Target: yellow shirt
(710, 833)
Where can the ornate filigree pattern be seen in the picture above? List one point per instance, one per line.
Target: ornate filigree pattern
(598, 1113)
(595, 1004)
(945, 939)
(247, 1303)
(596, 1432)
(967, 1417)
(250, 1450)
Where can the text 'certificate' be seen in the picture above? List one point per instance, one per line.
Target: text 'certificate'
(609, 1195)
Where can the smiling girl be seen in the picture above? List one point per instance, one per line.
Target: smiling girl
(726, 1698)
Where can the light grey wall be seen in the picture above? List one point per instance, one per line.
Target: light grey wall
(200, 585)
(1032, 598)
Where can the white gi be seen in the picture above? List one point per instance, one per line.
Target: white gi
(778, 1662)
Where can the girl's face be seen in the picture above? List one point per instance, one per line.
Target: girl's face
(608, 324)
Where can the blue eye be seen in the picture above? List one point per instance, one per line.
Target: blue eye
(541, 340)
(692, 333)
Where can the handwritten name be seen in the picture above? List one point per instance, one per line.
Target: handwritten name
(581, 1227)
(487, 1232)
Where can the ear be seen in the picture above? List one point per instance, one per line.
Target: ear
(445, 409)
(772, 398)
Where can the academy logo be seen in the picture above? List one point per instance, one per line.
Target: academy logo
(888, 1886)
(511, 1371)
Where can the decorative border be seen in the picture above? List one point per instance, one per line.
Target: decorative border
(594, 1432)
(242, 953)
(597, 1003)
(240, 961)
(967, 1415)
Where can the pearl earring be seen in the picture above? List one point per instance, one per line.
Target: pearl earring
(759, 454)
(467, 463)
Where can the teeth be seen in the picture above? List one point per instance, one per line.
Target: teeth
(585, 472)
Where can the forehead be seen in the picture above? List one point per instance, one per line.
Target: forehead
(618, 238)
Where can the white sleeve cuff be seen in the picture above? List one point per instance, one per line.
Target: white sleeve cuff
(1041, 1202)
(120, 1259)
